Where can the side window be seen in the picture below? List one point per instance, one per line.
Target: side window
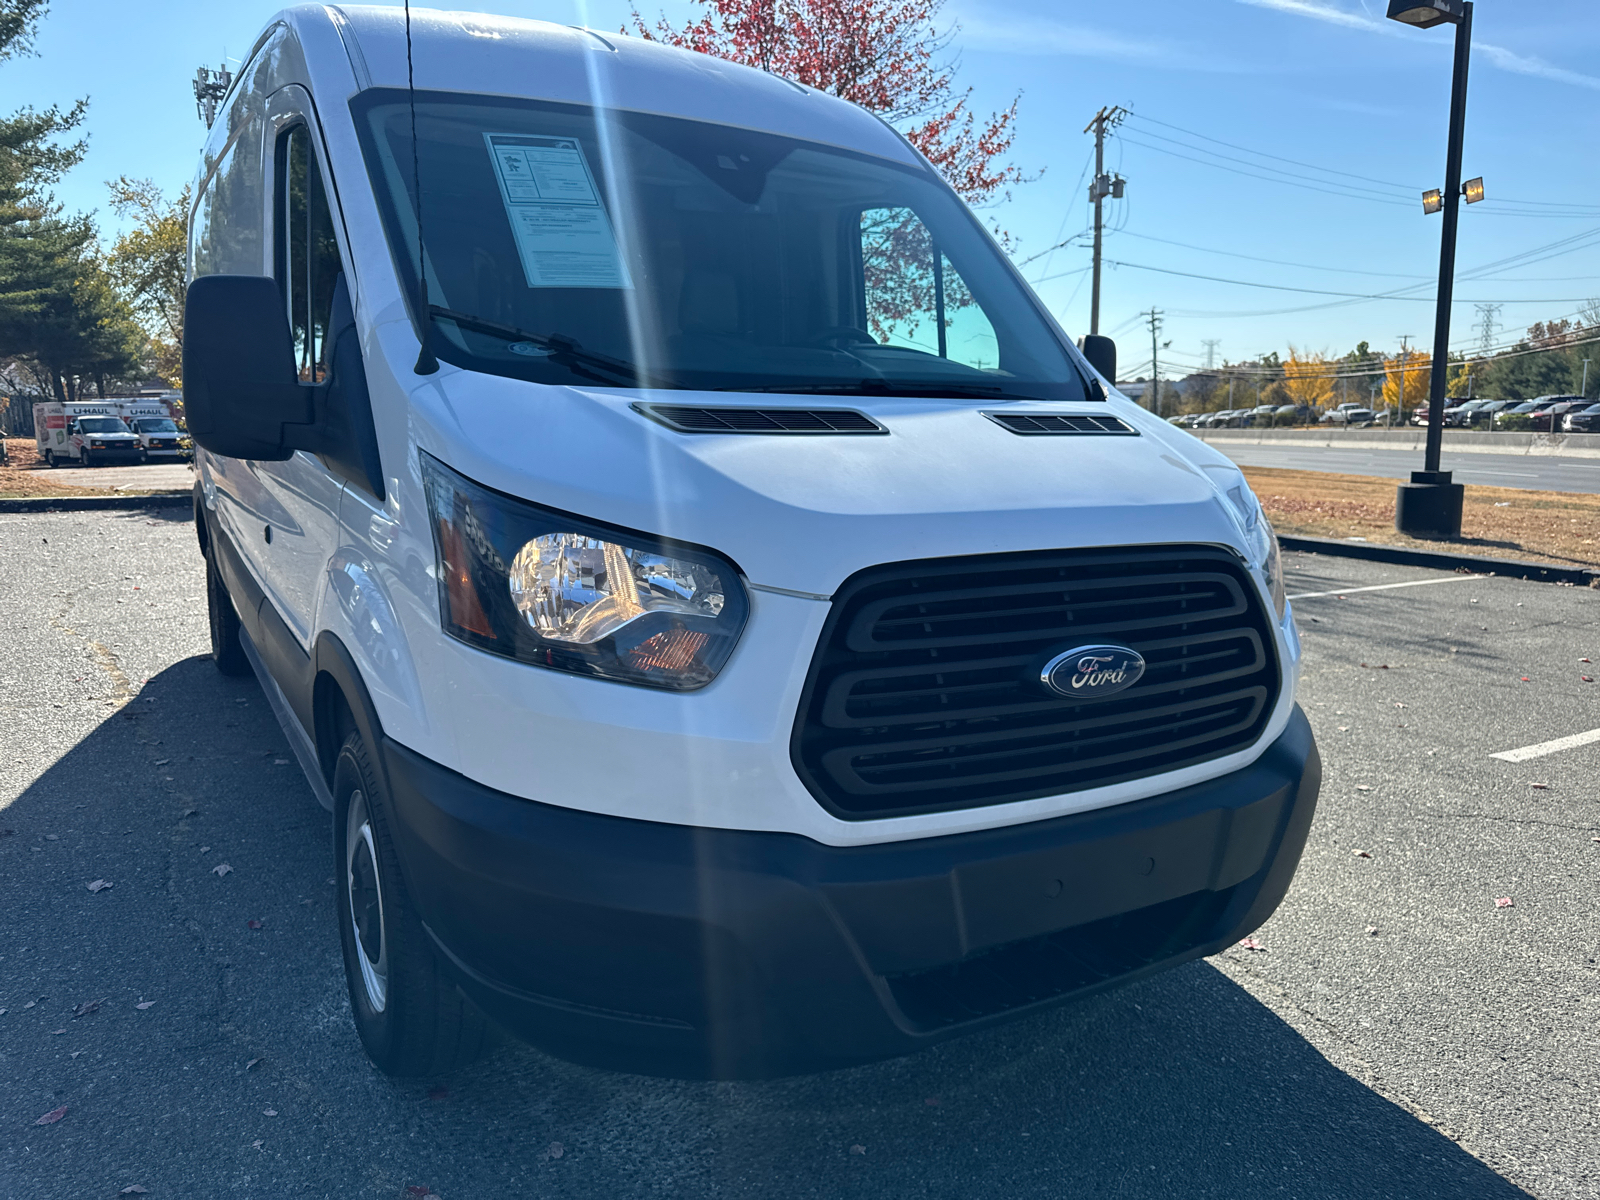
(912, 297)
(308, 255)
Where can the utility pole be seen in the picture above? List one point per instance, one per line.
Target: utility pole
(1103, 185)
(1584, 390)
(1154, 321)
(1405, 357)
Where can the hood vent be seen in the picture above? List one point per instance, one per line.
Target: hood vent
(687, 419)
(1037, 424)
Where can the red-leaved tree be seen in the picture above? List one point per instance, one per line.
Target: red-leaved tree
(888, 56)
(885, 55)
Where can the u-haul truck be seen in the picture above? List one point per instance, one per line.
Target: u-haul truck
(91, 432)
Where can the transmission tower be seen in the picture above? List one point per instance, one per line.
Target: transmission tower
(1487, 326)
(1211, 345)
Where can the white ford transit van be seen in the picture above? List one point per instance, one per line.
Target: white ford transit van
(734, 629)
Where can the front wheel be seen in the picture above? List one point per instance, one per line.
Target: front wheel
(411, 1019)
(227, 651)
(50, 458)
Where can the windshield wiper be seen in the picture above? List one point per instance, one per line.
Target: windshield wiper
(561, 349)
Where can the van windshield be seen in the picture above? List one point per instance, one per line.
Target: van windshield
(101, 425)
(156, 425)
(628, 249)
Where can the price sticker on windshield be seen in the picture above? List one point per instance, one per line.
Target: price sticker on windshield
(561, 228)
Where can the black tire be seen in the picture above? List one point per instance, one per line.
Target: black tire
(88, 460)
(50, 458)
(226, 650)
(411, 1019)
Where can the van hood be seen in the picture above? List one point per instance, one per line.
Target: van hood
(803, 512)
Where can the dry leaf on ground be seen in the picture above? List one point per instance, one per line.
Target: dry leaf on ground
(253, 923)
(1250, 943)
(143, 1004)
(220, 870)
(98, 885)
(87, 1007)
(133, 1189)
(51, 1117)
(1503, 902)
(1360, 854)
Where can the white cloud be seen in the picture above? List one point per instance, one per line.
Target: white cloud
(1524, 64)
(1320, 12)
(981, 32)
(1499, 56)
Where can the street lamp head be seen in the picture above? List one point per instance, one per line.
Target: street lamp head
(1425, 14)
(1432, 200)
(1472, 189)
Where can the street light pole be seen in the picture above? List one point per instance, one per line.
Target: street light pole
(1430, 505)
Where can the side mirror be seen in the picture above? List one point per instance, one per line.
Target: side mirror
(1101, 353)
(239, 383)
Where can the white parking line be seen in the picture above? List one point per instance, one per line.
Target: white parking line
(1524, 753)
(1383, 587)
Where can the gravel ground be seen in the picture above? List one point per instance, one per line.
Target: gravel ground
(1449, 1053)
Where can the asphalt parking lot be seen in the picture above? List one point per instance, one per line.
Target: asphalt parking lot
(1399, 1035)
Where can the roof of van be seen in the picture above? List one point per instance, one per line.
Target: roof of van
(495, 55)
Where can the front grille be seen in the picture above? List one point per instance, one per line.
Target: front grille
(686, 419)
(925, 695)
(1046, 424)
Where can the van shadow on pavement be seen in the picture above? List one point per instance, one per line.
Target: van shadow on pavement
(1183, 1085)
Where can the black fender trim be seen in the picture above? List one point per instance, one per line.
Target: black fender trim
(333, 667)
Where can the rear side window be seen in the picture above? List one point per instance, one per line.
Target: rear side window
(307, 253)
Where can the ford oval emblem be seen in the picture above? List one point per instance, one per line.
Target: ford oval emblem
(1093, 672)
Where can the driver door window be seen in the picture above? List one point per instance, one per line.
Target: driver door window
(913, 298)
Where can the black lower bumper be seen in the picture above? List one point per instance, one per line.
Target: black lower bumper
(705, 952)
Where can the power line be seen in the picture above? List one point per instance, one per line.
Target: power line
(1283, 287)
(1263, 154)
(1577, 209)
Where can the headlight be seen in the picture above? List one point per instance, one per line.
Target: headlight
(1260, 541)
(554, 590)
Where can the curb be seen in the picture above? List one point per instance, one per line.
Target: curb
(41, 504)
(1440, 561)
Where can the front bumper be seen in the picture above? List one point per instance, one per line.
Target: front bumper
(698, 952)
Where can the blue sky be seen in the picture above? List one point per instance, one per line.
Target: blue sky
(1358, 103)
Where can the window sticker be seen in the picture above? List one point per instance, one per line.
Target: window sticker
(561, 228)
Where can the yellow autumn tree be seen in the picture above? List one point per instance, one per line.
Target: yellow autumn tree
(1413, 368)
(1308, 378)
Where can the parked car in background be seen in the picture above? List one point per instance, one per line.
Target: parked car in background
(1350, 414)
(1582, 420)
(1455, 414)
(1538, 412)
(1485, 414)
(1549, 421)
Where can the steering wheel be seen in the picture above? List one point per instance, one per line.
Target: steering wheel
(840, 336)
